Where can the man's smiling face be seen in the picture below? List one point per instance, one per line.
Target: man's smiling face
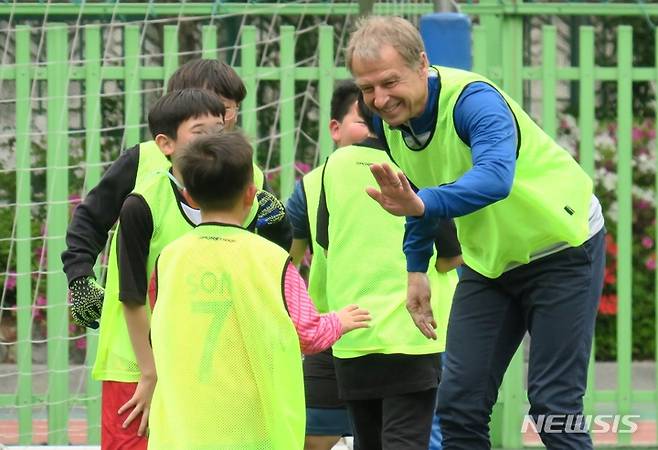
(391, 88)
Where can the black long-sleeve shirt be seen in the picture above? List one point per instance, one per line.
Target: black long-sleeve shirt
(92, 220)
(87, 233)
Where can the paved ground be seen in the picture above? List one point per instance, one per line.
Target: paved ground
(644, 378)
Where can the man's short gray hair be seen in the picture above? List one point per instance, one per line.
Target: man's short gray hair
(374, 32)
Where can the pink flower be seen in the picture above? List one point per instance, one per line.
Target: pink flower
(10, 281)
(647, 242)
(302, 167)
(638, 134)
(650, 263)
(40, 253)
(642, 204)
(38, 307)
(81, 343)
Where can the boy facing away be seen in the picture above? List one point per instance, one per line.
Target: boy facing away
(226, 351)
(152, 216)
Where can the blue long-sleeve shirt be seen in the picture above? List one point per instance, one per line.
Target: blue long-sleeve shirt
(297, 210)
(485, 123)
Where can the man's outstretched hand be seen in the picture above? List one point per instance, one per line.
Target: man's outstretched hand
(396, 195)
(418, 303)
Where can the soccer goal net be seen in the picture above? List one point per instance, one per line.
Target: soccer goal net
(77, 79)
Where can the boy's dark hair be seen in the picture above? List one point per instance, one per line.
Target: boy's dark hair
(216, 168)
(176, 107)
(344, 96)
(209, 74)
(365, 113)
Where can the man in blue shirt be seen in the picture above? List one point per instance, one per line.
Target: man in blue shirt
(326, 416)
(530, 227)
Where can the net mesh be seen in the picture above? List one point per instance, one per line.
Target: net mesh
(71, 141)
(65, 118)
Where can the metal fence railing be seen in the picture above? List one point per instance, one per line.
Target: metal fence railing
(498, 52)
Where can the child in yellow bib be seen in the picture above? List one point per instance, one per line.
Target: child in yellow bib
(153, 215)
(227, 354)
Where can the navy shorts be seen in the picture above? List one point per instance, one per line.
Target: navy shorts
(328, 422)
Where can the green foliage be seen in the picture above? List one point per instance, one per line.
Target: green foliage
(606, 51)
(111, 108)
(643, 229)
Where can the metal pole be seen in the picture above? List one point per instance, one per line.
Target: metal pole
(443, 6)
(365, 7)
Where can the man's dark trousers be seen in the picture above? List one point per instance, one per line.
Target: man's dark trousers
(555, 299)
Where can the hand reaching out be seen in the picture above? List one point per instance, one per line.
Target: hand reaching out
(396, 195)
(418, 303)
(352, 317)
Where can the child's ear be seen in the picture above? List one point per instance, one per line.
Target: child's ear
(190, 201)
(249, 195)
(334, 130)
(167, 145)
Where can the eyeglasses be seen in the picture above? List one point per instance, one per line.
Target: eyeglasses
(231, 111)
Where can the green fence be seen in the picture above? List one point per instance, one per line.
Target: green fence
(508, 70)
(498, 49)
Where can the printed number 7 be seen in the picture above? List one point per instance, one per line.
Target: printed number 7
(219, 310)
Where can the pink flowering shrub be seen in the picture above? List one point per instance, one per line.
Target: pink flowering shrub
(39, 303)
(643, 228)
